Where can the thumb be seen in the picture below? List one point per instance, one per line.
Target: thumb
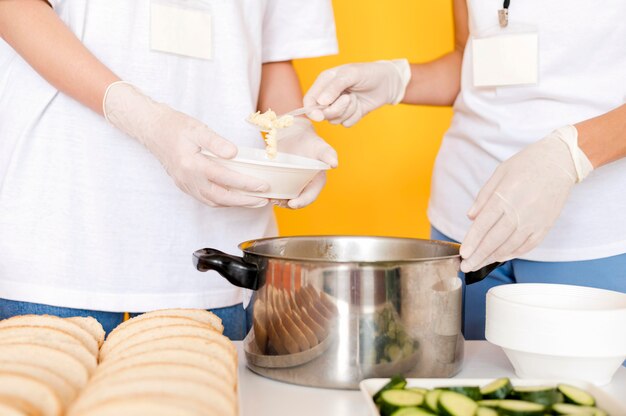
(209, 140)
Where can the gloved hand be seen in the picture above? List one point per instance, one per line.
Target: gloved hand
(351, 91)
(176, 140)
(301, 139)
(521, 201)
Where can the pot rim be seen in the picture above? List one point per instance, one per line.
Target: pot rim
(248, 248)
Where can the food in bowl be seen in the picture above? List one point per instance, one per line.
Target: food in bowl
(270, 123)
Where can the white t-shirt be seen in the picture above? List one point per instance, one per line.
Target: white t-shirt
(582, 74)
(88, 217)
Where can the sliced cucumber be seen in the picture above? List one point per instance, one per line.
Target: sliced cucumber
(546, 396)
(493, 403)
(486, 411)
(497, 389)
(473, 392)
(396, 383)
(575, 395)
(392, 400)
(520, 408)
(412, 411)
(418, 389)
(576, 410)
(456, 404)
(431, 400)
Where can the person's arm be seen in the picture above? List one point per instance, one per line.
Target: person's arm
(603, 138)
(352, 91)
(280, 91)
(438, 82)
(38, 35)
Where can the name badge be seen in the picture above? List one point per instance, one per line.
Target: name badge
(507, 58)
(181, 27)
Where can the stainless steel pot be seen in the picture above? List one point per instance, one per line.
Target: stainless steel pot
(330, 311)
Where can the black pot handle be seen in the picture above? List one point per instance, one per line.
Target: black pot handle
(235, 269)
(478, 275)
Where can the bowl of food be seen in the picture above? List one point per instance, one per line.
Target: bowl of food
(556, 331)
(287, 174)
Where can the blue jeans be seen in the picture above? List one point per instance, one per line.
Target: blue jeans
(237, 321)
(606, 273)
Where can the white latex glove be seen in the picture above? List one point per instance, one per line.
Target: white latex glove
(176, 140)
(301, 139)
(521, 201)
(351, 91)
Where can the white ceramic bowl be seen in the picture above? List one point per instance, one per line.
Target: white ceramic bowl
(558, 331)
(287, 174)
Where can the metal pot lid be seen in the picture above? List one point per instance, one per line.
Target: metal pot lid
(351, 249)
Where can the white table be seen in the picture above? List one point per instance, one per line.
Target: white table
(261, 396)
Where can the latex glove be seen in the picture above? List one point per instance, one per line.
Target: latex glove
(176, 140)
(521, 201)
(301, 139)
(351, 91)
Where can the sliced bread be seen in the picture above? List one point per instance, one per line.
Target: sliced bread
(59, 362)
(90, 325)
(31, 391)
(54, 322)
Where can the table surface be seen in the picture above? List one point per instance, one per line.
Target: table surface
(261, 396)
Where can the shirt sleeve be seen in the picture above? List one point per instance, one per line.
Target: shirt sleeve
(295, 29)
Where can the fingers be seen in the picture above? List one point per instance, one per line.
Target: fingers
(481, 226)
(309, 193)
(327, 88)
(335, 113)
(484, 195)
(328, 155)
(217, 196)
(229, 179)
(497, 235)
(207, 139)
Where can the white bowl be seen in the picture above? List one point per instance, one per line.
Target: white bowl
(286, 174)
(558, 331)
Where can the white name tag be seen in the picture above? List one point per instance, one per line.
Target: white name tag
(507, 59)
(180, 30)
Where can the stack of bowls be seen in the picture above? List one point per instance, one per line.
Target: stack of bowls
(554, 331)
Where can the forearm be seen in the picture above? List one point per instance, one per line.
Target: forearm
(437, 82)
(280, 88)
(38, 35)
(603, 138)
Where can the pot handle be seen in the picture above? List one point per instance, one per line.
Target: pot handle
(478, 275)
(235, 269)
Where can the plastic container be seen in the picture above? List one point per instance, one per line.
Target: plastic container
(286, 174)
(558, 331)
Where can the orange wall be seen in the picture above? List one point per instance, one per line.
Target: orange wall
(382, 184)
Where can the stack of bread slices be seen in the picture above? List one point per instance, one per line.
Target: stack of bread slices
(167, 362)
(45, 361)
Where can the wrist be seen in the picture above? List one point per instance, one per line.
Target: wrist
(398, 88)
(569, 135)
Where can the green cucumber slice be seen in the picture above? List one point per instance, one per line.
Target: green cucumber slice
(392, 400)
(412, 411)
(396, 382)
(456, 404)
(575, 395)
(497, 389)
(418, 389)
(520, 408)
(486, 411)
(493, 403)
(473, 392)
(546, 396)
(431, 400)
(576, 410)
